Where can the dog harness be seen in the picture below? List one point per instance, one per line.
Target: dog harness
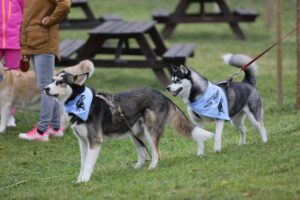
(80, 106)
(213, 103)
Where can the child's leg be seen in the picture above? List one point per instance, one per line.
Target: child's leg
(12, 59)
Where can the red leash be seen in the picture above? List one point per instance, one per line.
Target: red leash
(244, 67)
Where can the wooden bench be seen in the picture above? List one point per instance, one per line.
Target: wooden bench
(69, 47)
(246, 15)
(161, 15)
(178, 53)
(224, 15)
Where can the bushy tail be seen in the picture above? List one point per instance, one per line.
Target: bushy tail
(85, 66)
(180, 123)
(238, 60)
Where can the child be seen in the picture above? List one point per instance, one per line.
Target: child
(40, 41)
(11, 12)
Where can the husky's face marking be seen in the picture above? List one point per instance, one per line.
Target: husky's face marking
(180, 82)
(60, 87)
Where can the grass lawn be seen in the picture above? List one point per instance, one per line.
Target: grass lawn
(32, 170)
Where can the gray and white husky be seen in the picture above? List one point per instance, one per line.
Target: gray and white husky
(240, 98)
(146, 111)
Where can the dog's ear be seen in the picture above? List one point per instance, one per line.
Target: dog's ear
(80, 79)
(68, 78)
(184, 69)
(174, 68)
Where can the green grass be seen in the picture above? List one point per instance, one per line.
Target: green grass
(31, 170)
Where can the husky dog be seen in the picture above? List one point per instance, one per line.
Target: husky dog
(225, 102)
(20, 89)
(96, 116)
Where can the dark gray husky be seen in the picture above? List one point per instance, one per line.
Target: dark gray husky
(94, 116)
(221, 102)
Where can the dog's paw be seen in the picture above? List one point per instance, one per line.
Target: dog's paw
(217, 149)
(139, 165)
(151, 167)
(82, 179)
(200, 153)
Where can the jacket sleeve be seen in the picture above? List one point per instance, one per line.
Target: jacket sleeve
(21, 2)
(61, 10)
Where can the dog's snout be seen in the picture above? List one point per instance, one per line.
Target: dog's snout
(47, 90)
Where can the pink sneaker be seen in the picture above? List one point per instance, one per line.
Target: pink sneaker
(35, 136)
(55, 133)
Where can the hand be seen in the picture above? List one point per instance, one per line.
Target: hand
(45, 20)
(25, 58)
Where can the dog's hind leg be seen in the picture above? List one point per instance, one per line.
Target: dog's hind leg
(218, 136)
(4, 117)
(258, 123)
(238, 121)
(142, 153)
(153, 127)
(153, 139)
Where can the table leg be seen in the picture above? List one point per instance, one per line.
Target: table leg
(233, 25)
(180, 10)
(88, 12)
(157, 40)
(237, 30)
(91, 47)
(151, 56)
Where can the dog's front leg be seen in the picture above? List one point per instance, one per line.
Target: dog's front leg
(218, 135)
(83, 153)
(90, 161)
(4, 117)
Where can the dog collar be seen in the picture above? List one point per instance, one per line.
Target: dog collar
(1, 78)
(213, 103)
(80, 106)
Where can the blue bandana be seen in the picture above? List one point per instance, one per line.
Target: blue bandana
(80, 106)
(213, 103)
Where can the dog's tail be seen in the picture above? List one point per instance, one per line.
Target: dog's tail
(238, 60)
(180, 123)
(85, 66)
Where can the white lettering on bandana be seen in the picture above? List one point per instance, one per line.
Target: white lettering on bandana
(213, 103)
(80, 106)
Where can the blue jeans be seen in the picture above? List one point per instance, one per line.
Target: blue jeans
(50, 109)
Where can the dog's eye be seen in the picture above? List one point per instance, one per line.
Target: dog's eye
(177, 81)
(59, 82)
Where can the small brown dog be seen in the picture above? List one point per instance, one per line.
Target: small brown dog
(19, 89)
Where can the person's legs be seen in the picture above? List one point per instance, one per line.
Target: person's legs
(12, 59)
(44, 68)
(49, 114)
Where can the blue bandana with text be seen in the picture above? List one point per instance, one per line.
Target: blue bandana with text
(80, 106)
(213, 103)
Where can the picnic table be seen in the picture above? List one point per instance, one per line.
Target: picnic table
(90, 20)
(225, 15)
(148, 51)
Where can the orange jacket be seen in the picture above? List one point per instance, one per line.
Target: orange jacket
(37, 38)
